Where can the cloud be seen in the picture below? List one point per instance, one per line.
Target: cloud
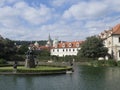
(34, 15)
(78, 19)
(58, 2)
(21, 12)
(85, 10)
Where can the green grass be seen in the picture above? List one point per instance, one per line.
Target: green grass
(22, 69)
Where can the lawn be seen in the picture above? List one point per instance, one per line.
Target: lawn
(22, 69)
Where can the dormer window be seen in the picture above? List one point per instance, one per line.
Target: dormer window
(77, 45)
(63, 45)
(70, 44)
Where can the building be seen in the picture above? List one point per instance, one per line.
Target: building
(112, 41)
(65, 48)
(57, 48)
(37, 46)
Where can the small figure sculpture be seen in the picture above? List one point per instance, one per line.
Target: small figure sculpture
(15, 65)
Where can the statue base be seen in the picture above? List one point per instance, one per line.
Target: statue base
(29, 63)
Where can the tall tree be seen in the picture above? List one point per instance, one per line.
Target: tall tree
(93, 47)
(7, 49)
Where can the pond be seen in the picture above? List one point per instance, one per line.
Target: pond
(83, 78)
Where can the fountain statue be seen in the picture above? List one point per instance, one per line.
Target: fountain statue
(29, 61)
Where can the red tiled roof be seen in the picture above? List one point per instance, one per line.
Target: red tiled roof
(74, 44)
(40, 47)
(116, 29)
(45, 48)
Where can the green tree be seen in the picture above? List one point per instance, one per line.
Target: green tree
(93, 48)
(22, 49)
(7, 49)
(42, 55)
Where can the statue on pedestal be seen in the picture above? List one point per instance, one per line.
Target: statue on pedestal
(29, 62)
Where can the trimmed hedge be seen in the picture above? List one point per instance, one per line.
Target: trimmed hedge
(39, 69)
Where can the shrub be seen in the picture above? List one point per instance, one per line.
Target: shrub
(110, 63)
(104, 63)
(98, 63)
(118, 63)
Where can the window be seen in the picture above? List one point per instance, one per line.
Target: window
(57, 50)
(53, 50)
(119, 53)
(119, 39)
(63, 50)
(69, 49)
(73, 50)
(66, 49)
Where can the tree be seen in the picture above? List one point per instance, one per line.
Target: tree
(22, 49)
(93, 48)
(7, 49)
(42, 55)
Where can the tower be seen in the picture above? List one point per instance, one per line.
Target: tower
(55, 43)
(49, 42)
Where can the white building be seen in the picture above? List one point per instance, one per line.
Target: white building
(65, 48)
(112, 41)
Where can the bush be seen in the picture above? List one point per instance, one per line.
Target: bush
(97, 63)
(110, 63)
(118, 63)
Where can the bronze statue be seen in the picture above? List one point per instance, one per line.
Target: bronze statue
(30, 62)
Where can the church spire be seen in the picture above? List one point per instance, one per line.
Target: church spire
(49, 37)
(49, 42)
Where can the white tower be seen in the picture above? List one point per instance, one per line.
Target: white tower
(55, 43)
(36, 44)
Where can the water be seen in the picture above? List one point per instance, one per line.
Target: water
(84, 78)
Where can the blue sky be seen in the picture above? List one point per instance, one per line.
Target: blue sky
(65, 19)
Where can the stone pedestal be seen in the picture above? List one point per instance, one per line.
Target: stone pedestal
(30, 63)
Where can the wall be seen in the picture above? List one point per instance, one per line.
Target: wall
(64, 51)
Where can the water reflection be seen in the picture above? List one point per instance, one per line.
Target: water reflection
(84, 78)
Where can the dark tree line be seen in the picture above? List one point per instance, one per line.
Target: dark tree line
(42, 42)
(7, 49)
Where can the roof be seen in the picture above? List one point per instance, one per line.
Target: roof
(116, 29)
(75, 44)
(39, 47)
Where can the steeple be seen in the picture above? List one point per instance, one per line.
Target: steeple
(49, 42)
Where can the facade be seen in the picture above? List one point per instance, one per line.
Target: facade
(112, 41)
(65, 48)
(57, 48)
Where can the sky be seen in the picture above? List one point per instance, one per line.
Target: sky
(66, 20)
